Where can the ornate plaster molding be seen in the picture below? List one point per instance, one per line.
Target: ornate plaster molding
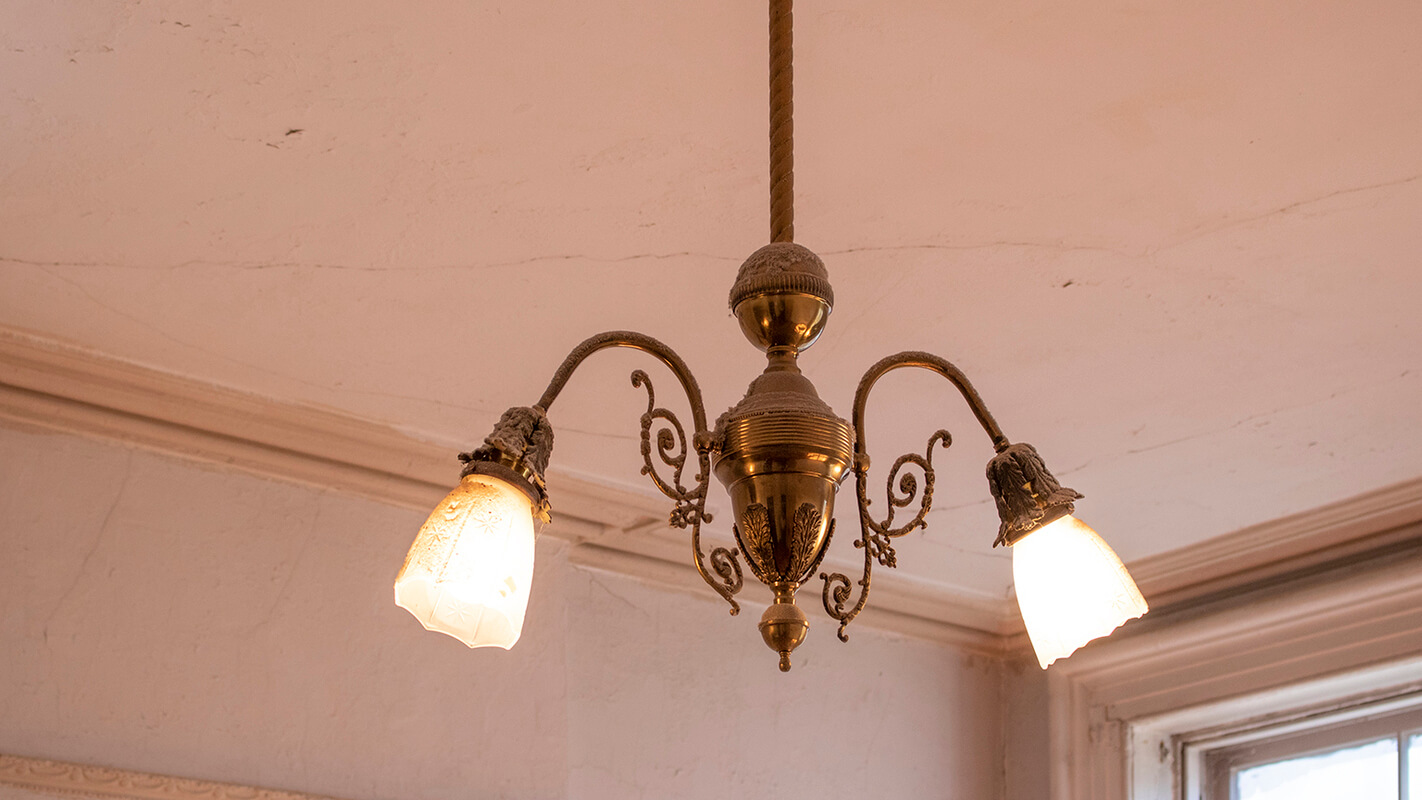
(67, 779)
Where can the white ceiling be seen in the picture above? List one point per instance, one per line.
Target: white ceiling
(1174, 245)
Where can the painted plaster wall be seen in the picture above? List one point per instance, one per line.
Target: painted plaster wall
(1026, 726)
(169, 617)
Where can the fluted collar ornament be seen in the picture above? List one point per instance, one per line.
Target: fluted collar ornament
(781, 454)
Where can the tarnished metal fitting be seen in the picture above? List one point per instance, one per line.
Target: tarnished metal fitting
(784, 626)
(1028, 496)
(782, 297)
(517, 452)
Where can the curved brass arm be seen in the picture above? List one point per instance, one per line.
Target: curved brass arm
(671, 449)
(637, 341)
(875, 536)
(928, 361)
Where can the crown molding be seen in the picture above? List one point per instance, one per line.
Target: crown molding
(86, 780)
(1285, 548)
(45, 384)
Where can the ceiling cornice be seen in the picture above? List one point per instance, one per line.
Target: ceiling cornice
(88, 780)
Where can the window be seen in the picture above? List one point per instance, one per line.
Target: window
(1370, 752)
(1130, 718)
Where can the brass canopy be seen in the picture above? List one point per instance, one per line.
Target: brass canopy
(782, 450)
(783, 457)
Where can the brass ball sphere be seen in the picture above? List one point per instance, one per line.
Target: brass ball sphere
(782, 297)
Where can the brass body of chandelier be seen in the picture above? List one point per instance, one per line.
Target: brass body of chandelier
(781, 454)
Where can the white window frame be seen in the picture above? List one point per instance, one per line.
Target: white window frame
(1216, 760)
(1121, 711)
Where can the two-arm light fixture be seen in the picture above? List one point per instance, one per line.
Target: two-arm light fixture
(781, 453)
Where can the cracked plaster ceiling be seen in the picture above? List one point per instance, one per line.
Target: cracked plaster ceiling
(1174, 245)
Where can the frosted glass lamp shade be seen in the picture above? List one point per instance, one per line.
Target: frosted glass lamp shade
(469, 570)
(1071, 587)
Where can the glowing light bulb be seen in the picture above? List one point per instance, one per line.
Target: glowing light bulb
(469, 569)
(1071, 587)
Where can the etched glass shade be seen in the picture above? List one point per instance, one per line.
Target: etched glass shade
(469, 570)
(1071, 587)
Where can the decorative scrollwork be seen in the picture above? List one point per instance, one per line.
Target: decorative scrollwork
(724, 574)
(836, 596)
(724, 562)
(672, 450)
(876, 536)
(690, 509)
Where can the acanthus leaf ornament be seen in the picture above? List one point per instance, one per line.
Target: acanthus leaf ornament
(753, 536)
(804, 528)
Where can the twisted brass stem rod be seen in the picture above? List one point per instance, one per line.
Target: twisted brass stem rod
(782, 122)
(636, 341)
(933, 363)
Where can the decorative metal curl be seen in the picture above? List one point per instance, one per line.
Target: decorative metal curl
(837, 585)
(690, 508)
(724, 573)
(671, 448)
(875, 536)
(878, 534)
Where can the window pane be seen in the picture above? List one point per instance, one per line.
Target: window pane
(1360, 772)
(1414, 767)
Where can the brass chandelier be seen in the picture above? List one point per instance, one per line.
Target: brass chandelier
(781, 453)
